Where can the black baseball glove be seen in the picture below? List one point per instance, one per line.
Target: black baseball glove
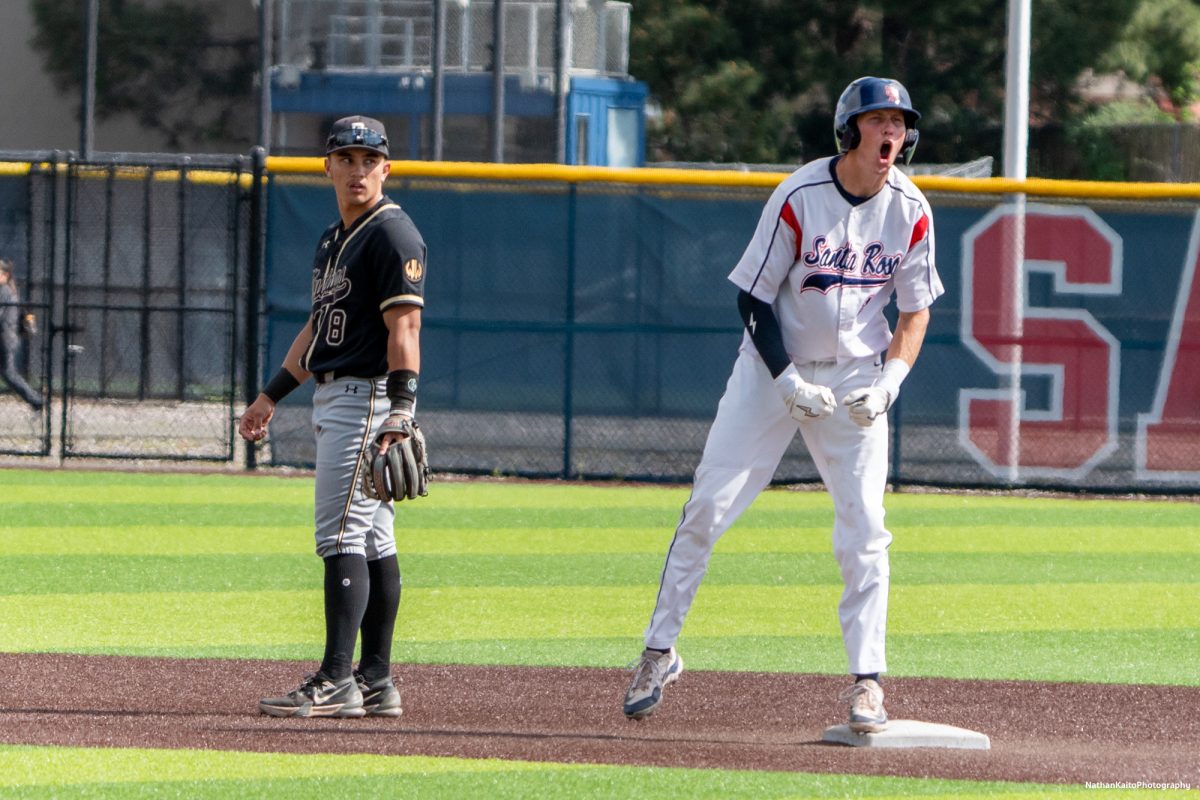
(403, 471)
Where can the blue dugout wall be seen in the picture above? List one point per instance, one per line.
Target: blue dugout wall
(579, 324)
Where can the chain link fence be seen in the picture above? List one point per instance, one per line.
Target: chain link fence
(135, 269)
(578, 326)
(586, 329)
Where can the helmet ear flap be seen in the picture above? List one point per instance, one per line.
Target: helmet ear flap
(850, 136)
(911, 137)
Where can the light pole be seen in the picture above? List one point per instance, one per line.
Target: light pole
(87, 106)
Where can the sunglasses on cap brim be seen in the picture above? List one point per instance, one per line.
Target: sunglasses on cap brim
(358, 137)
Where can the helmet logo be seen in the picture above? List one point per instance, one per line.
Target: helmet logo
(893, 94)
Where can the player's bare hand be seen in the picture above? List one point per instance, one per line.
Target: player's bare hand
(253, 425)
(866, 405)
(390, 437)
(805, 401)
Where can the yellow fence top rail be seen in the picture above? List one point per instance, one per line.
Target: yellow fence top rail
(702, 177)
(562, 173)
(199, 175)
(559, 173)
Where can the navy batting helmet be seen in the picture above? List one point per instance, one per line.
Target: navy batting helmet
(869, 94)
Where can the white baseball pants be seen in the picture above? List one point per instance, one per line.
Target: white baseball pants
(748, 438)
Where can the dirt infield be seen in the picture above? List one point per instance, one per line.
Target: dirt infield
(1043, 732)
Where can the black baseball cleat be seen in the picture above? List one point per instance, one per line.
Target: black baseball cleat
(381, 698)
(318, 696)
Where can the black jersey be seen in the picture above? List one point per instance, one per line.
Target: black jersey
(358, 273)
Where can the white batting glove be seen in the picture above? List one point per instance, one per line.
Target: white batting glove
(805, 401)
(867, 404)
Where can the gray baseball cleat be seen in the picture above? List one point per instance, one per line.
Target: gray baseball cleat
(318, 696)
(381, 698)
(866, 707)
(653, 673)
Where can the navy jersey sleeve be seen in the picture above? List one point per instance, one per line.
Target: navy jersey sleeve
(400, 258)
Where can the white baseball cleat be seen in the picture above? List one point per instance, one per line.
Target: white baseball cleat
(654, 671)
(866, 707)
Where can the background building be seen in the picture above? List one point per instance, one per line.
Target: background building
(424, 68)
(382, 58)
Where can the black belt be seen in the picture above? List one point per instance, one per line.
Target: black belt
(333, 375)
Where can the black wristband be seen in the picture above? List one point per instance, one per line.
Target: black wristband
(402, 391)
(280, 386)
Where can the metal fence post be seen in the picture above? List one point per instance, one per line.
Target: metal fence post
(254, 271)
(236, 277)
(438, 99)
(181, 292)
(147, 282)
(498, 45)
(569, 336)
(562, 62)
(110, 206)
(55, 315)
(67, 255)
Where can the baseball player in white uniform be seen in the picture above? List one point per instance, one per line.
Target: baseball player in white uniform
(836, 240)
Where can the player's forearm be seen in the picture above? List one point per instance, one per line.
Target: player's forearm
(405, 354)
(291, 374)
(295, 353)
(909, 335)
(404, 359)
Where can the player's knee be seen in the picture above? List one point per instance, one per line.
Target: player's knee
(867, 547)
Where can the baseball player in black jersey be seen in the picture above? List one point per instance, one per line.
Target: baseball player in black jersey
(361, 344)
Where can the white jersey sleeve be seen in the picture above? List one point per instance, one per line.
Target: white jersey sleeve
(917, 282)
(829, 262)
(772, 250)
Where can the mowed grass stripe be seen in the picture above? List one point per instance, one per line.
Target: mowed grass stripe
(65, 766)
(186, 620)
(208, 511)
(172, 499)
(110, 772)
(904, 509)
(199, 514)
(183, 539)
(31, 574)
(202, 511)
(117, 489)
(294, 535)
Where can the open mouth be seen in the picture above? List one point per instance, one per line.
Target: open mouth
(885, 150)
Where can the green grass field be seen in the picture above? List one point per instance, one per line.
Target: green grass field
(552, 574)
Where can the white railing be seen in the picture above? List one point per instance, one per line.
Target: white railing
(397, 35)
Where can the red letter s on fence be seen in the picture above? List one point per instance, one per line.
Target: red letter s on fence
(1069, 347)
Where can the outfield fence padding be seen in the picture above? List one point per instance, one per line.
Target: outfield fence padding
(579, 324)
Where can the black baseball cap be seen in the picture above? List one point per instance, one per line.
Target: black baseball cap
(356, 131)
